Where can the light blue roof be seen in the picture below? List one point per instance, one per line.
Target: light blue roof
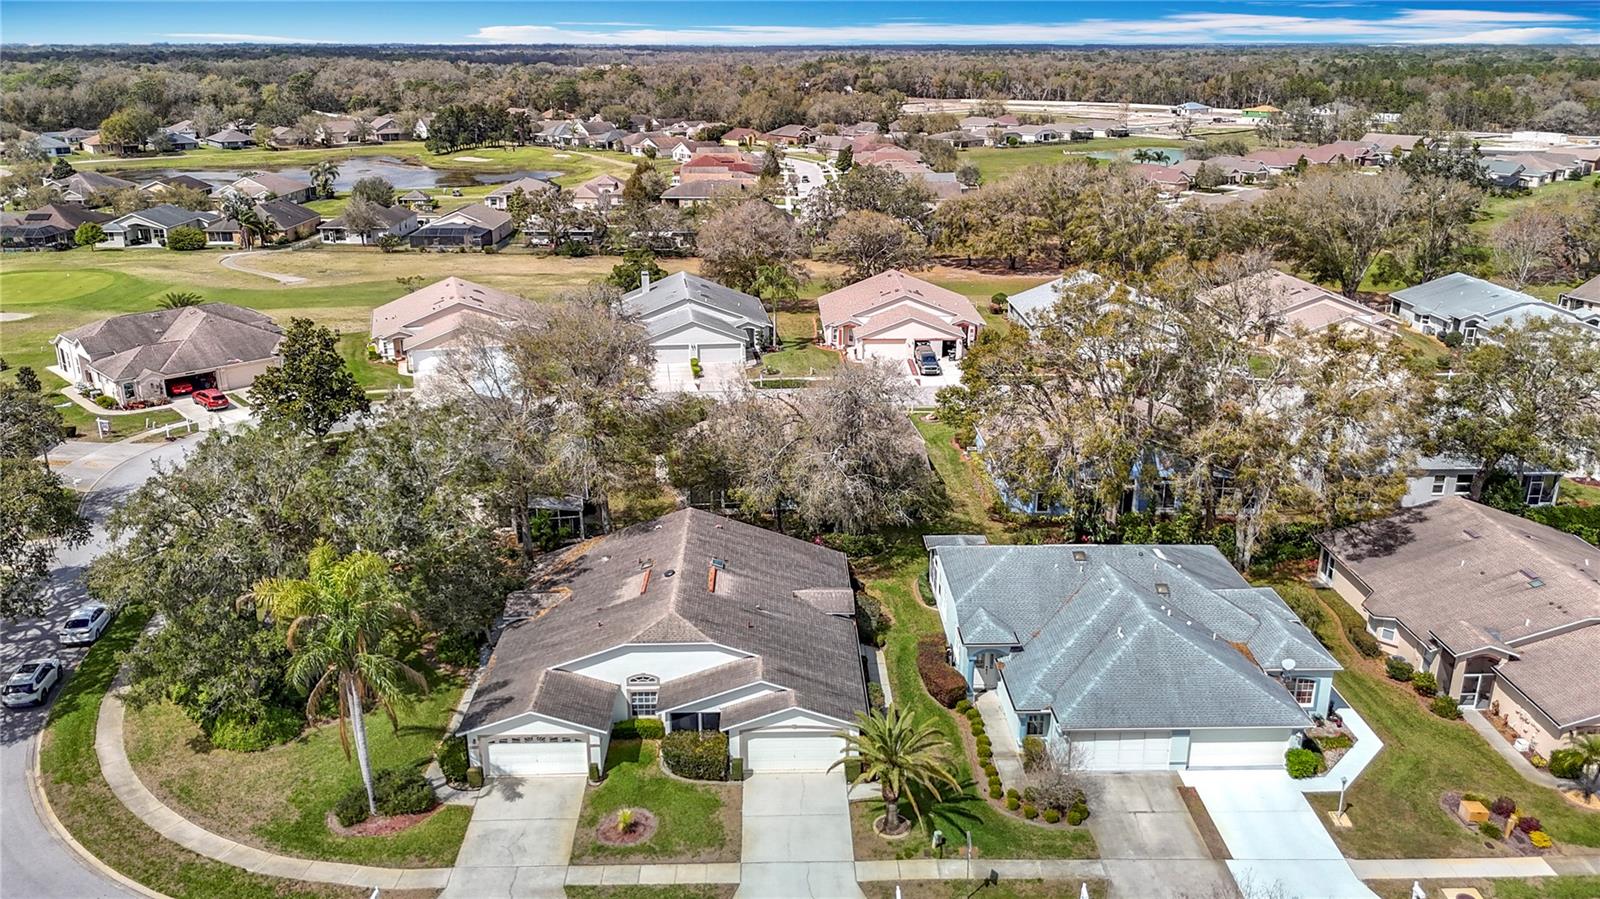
(1461, 296)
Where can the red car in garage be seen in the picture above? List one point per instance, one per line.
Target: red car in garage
(211, 398)
(180, 388)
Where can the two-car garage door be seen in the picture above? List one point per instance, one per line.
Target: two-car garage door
(1244, 748)
(707, 353)
(1122, 750)
(533, 756)
(792, 750)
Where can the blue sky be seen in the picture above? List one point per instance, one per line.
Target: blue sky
(798, 22)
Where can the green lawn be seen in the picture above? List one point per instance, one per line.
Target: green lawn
(279, 799)
(635, 891)
(1579, 887)
(1583, 494)
(1004, 889)
(1395, 802)
(1495, 210)
(995, 163)
(83, 802)
(694, 822)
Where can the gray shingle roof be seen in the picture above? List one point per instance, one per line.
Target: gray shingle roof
(168, 216)
(1131, 636)
(683, 287)
(177, 341)
(755, 608)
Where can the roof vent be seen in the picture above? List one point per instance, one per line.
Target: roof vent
(1079, 555)
(1119, 631)
(720, 564)
(1163, 589)
(1471, 533)
(669, 572)
(1534, 580)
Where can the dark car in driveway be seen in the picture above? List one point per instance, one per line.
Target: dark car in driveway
(928, 361)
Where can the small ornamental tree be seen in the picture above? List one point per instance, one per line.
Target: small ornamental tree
(185, 238)
(311, 389)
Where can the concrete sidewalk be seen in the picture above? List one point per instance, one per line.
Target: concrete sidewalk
(1352, 763)
(1440, 868)
(1513, 758)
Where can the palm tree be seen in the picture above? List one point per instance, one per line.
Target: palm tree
(338, 618)
(177, 299)
(903, 753)
(1589, 775)
(242, 210)
(1145, 154)
(322, 175)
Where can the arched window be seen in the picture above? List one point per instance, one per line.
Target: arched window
(643, 691)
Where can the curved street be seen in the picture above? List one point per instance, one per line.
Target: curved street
(34, 862)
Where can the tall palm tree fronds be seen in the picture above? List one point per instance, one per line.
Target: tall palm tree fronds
(903, 753)
(337, 619)
(177, 299)
(322, 176)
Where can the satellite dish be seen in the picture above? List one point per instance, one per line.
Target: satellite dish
(1288, 664)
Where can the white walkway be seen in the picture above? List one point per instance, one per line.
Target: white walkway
(1352, 763)
(1274, 836)
(797, 841)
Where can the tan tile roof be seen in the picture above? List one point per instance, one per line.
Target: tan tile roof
(849, 301)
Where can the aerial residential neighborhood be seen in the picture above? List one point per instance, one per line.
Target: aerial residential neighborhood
(803, 450)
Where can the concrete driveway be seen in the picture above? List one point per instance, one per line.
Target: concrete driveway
(1148, 842)
(520, 839)
(1274, 836)
(797, 838)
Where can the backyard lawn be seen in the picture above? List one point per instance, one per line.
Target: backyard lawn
(995, 163)
(83, 802)
(279, 799)
(1580, 887)
(1395, 803)
(1497, 209)
(695, 822)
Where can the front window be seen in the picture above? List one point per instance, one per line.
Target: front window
(643, 692)
(1438, 484)
(1036, 725)
(1304, 690)
(1463, 484)
(701, 721)
(1325, 567)
(1535, 491)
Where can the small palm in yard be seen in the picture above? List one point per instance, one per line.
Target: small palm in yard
(1589, 747)
(903, 753)
(338, 618)
(177, 299)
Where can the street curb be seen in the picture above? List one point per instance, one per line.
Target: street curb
(47, 814)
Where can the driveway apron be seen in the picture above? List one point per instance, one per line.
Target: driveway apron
(1274, 835)
(1149, 843)
(520, 839)
(797, 840)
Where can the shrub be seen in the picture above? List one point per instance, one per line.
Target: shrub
(475, 776)
(1540, 840)
(697, 755)
(105, 402)
(1052, 816)
(186, 237)
(1537, 760)
(1335, 741)
(1452, 339)
(453, 759)
(983, 743)
(638, 729)
(1503, 806)
(1446, 707)
(852, 769)
(1030, 795)
(974, 716)
(994, 788)
(943, 682)
(1078, 814)
(855, 546)
(1034, 753)
(1398, 669)
(1013, 794)
(1030, 811)
(736, 770)
(273, 727)
(1424, 683)
(1365, 643)
(1012, 802)
(1302, 763)
(402, 791)
(594, 772)
(872, 622)
(351, 809)
(875, 695)
(1529, 824)
(963, 705)
(694, 367)
(990, 770)
(978, 730)
(1490, 830)
(1476, 797)
(1566, 764)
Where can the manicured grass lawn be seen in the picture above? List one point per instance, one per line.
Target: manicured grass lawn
(694, 822)
(1497, 209)
(1573, 492)
(1580, 887)
(279, 799)
(86, 806)
(1395, 802)
(677, 891)
(962, 889)
(995, 163)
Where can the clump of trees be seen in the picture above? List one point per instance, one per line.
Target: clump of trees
(38, 515)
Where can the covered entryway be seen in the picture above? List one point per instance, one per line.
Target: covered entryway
(535, 755)
(791, 750)
(1245, 748)
(1122, 750)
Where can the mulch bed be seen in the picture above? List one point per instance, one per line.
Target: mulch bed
(381, 826)
(644, 827)
(1209, 834)
(899, 834)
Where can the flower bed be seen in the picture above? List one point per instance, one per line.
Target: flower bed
(1503, 828)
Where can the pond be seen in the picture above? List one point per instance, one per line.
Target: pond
(403, 175)
(1169, 156)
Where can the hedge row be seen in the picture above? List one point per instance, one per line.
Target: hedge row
(945, 684)
(697, 755)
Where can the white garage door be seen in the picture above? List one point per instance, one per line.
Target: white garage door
(1237, 748)
(791, 750)
(732, 352)
(672, 352)
(886, 349)
(533, 756)
(1123, 750)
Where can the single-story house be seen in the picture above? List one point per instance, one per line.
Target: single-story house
(961, 140)
(88, 188)
(140, 356)
(417, 200)
(889, 314)
(1025, 307)
(699, 192)
(1460, 303)
(739, 136)
(1263, 111)
(52, 146)
(1168, 180)
(180, 143)
(500, 196)
(1234, 169)
(1191, 109)
(1503, 611)
(1134, 657)
(699, 621)
(52, 226)
(386, 128)
(1388, 146)
(1286, 303)
(789, 136)
(598, 193)
(1433, 477)
(1343, 151)
(475, 227)
(1584, 297)
(689, 317)
(396, 221)
(149, 227)
(230, 139)
(158, 186)
(418, 329)
(290, 221)
(270, 185)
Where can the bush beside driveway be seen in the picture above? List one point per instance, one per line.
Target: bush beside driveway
(695, 822)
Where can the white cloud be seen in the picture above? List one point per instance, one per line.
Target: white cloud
(1405, 26)
(223, 37)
